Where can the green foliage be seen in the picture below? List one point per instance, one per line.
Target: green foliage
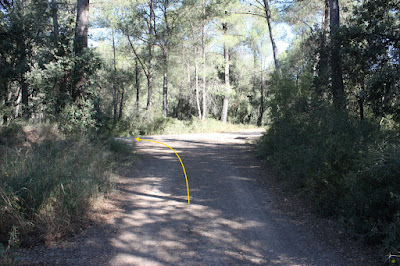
(162, 125)
(370, 209)
(74, 119)
(346, 168)
(48, 181)
(371, 56)
(175, 126)
(7, 256)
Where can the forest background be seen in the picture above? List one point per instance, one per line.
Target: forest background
(330, 102)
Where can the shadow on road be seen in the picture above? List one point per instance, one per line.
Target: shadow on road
(230, 219)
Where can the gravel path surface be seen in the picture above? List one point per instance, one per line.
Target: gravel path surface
(232, 218)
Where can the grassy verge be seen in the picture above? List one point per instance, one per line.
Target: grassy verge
(175, 126)
(168, 126)
(48, 181)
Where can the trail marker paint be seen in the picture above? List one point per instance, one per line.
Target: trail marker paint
(183, 167)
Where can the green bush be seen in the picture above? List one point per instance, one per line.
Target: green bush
(347, 168)
(46, 184)
(162, 125)
(75, 119)
(371, 208)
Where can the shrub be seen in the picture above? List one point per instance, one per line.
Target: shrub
(75, 119)
(47, 184)
(162, 125)
(348, 169)
(371, 208)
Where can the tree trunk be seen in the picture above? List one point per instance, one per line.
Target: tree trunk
(321, 68)
(82, 26)
(114, 102)
(149, 84)
(4, 96)
(225, 104)
(361, 104)
(196, 88)
(80, 43)
(25, 98)
(261, 114)
(114, 79)
(121, 103)
(165, 83)
(150, 64)
(271, 36)
(54, 14)
(361, 99)
(325, 22)
(165, 48)
(137, 85)
(17, 105)
(337, 80)
(203, 50)
(165, 92)
(22, 50)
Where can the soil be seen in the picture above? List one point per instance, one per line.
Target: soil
(238, 213)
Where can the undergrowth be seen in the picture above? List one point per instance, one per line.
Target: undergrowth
(48, 181)
(167, 126)
(348, 169)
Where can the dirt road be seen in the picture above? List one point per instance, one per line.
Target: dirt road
(231, 220)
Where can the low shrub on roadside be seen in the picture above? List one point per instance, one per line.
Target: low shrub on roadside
(48, 180)
(348, 169)
(162, 125)
(371, 209)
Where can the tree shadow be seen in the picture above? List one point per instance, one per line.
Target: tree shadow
(230, 219)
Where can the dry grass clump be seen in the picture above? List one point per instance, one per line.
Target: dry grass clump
(48, 180)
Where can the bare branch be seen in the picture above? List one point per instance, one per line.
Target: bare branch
(260, 3)
(137, 56)
(249, 13)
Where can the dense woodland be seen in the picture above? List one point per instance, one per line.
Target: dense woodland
(188, 59)
(330, 101)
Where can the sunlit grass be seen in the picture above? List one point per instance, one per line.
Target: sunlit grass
(175, 126)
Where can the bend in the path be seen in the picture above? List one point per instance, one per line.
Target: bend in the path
(230, 220)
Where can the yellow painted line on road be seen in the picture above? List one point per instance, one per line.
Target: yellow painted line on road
(183, 167)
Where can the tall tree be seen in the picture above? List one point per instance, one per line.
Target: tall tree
(225, 104)
(23, 28)
(196, 87)
(271, 35)
(54, 15)
(166, 32)
(150, 48)
(321, 68)
(203, 53)
(82, 26)
(80, 43)
(138, 24)
(339, 99)
(137, 86)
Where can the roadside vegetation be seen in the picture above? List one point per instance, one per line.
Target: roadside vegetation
(339, 146)
(168, 126)
(330, 101)
(346, 169)
(49, 180)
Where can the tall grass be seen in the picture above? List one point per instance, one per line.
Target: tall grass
(161, 125)
(48, 180)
